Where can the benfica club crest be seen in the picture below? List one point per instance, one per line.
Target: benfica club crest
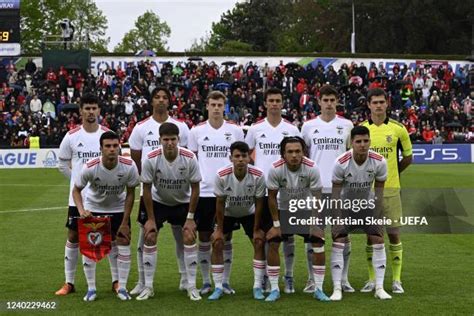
(95, 238)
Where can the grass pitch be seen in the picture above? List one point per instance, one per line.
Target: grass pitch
(437, 270)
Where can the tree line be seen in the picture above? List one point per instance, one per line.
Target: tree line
(381, 26)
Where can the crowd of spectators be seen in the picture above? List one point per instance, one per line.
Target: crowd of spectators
(434, 103)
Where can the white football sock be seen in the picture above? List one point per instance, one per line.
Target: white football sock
(191, 262)
(228, 252)
(89, 271)
(204, 257)
(149, 264)
(71, 254)
(123, 262)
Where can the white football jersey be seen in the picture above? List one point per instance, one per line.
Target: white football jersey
(106, 192)
(212, 148)
(146, 137)
(357, 180)
(240, 195)
(79, 146)
(171, 180)
(293, 185)
(266, 139)
(326, 141)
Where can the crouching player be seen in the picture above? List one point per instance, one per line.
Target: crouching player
(239, 189)
(293, 177)
(354, 174)
(108, 177)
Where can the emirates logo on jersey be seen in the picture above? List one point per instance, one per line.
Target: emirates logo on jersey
(389, 138)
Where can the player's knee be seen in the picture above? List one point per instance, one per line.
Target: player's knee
(375, 239)
(121, 241)
(72, 236)
(394, 237)
(188, 238)
(340, 238)
(150, 239)
(258, 243)
(218, 245)
(274, 244)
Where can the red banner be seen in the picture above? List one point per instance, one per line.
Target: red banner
(95, 238)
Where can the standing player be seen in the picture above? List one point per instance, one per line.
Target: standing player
(239, 190)
(264, 140)
(211, 141)
(143, 140)
(107, 178)
(327, 137)
(388, 137)
(353, 176)
(293, 177)
(170, 176)
(77, 147)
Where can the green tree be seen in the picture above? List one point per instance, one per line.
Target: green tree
(255, 23)
(149, 33)
(40, 18)
(382, 26)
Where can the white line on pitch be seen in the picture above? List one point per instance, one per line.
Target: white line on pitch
(32, 185)
(37, 209)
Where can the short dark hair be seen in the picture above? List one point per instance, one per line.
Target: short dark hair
(272, 91)
(292, 139)
(375, 92)
(168, 129)
(158, 89)
(108, 135)
(328, 89)
(89, 98)
(359, 130)
(240, 146)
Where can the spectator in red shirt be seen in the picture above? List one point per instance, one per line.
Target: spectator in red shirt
(428, 134)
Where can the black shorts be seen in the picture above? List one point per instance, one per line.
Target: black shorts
(369, 229)
(175, 215)
(115, 219)
(233, 223)
(205, 214)
(266, 223)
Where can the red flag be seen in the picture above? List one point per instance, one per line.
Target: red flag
(95, 238)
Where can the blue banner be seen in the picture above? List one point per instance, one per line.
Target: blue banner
(9, 4)
(446, 153)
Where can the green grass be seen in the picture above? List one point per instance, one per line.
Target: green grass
(437, 271)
